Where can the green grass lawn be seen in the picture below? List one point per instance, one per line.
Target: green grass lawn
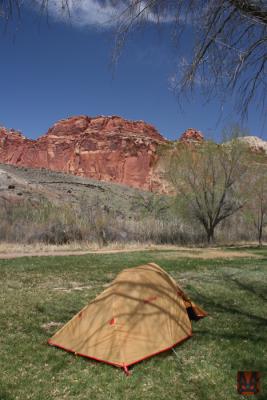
(40, 290)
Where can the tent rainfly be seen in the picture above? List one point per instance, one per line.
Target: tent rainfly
(143, 312)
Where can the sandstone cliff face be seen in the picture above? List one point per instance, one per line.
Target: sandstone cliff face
(255, 143)
(105, 148)
(192, 135)
(109, 149)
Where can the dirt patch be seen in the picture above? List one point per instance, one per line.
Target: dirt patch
(207, 254)
(49, 325)
(67, 290)
(168, 252)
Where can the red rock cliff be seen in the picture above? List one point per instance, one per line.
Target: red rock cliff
(104, 148)
(192, 135)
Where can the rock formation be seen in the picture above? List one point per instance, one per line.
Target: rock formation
(109, 149)
(192, 135)
(104, 148)
(255, 143)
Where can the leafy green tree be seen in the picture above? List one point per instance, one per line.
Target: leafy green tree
(256, 210)
(209, 180)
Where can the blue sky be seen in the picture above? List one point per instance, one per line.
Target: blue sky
(52, 71)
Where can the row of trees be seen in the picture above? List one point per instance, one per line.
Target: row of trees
(213, 182)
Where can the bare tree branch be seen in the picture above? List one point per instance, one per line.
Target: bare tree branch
(256, 9)
(230, 50)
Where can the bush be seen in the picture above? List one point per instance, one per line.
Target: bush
(28, 223)
(56, 234)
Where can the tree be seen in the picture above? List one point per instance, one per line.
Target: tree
(230, 50)
(256, 209)
(11, 8)
(208, 178)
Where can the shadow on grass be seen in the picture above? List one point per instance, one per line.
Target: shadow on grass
(257, 321)
(230, 336)
(262, 293)
(4, 395)
(246, 290)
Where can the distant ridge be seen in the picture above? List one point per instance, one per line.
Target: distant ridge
(105, 148)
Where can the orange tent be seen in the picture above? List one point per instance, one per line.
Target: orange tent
(143, 312)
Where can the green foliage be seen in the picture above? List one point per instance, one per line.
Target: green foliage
(255, 211)
(209, 178)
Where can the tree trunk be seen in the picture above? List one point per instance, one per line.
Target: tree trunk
(260, 235)
(210, 235)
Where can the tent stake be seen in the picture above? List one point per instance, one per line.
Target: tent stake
(127, 372)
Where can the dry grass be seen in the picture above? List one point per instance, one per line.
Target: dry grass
(14, 250)
(209, 254)
(6, 247)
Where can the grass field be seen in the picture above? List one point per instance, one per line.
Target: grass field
(39, 294)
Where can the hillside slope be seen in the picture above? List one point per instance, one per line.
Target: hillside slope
(35, 186)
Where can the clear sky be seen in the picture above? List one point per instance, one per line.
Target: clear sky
(52, 71)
